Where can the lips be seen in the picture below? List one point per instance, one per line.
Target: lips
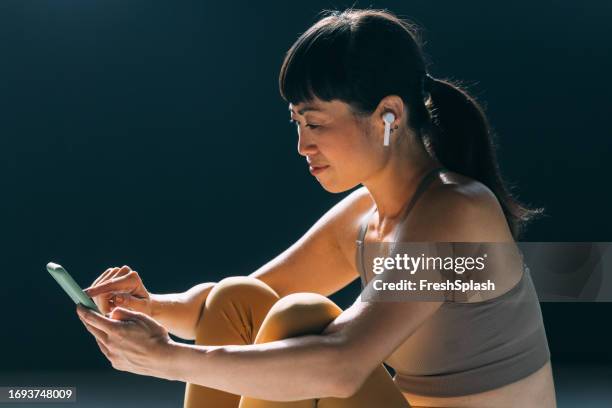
(316, 170)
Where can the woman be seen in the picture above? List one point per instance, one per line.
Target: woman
(274, 337)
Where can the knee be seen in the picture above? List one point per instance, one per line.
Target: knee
(237, 289)
(297, 314)
(233, 311)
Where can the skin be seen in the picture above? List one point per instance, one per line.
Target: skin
(134, 334)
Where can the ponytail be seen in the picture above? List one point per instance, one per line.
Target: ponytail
(343, 57)
(459, 136)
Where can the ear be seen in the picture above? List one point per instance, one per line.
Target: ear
(390, 103)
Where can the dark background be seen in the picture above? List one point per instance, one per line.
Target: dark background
(152, 134)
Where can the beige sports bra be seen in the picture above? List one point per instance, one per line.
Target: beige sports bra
(466, 348)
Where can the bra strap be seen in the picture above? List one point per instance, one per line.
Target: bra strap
(364, 225)
(419, 190)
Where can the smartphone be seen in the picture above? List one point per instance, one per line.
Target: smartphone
(70, 286)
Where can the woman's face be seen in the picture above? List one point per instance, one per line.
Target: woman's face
(331, 136)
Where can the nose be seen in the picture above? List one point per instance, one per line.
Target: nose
(305, 146)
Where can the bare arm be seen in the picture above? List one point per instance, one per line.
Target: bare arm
(318, 262)
(180, 312)
(337, 362)
(334, 363)
(315, 263)
(285, 370)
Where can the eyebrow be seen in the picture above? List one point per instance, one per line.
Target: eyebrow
(306, 109)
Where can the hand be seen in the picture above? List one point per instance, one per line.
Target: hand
(131, 341)
(120, 287)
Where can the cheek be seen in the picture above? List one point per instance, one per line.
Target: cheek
(352, 155)
(349, 147)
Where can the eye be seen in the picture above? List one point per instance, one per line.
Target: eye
(308, 125)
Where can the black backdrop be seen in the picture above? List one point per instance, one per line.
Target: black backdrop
(152, 134)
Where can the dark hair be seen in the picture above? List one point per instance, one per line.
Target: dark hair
(361, 56)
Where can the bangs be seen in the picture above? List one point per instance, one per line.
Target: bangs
(316, 64)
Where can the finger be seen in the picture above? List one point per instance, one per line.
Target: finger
(101, 277)
(119, 284)
(104, 349)
(109, 274)
(121, 313)
(98, 321)
(124, 270)
(128, 301)
(104, 301)
(97, 333)
(114, 273)
(130, 316)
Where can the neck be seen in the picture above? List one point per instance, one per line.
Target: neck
(393, 186)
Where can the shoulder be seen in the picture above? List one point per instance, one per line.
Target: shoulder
(460, 210)
(343, 220)
(349, 211)
(350, 207)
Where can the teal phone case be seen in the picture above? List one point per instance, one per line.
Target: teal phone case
(70, 286)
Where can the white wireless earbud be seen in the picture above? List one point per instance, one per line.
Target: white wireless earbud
(388, 117)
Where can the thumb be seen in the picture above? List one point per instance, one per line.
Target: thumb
(120, 313)
(125, 315)
(128, 301)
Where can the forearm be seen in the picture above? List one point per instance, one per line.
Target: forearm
(286, 370)
(179, 312)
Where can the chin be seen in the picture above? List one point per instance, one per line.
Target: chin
(336, 187)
